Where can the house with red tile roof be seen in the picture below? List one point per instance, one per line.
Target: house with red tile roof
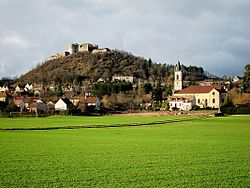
(204, 96)
(3, 96)
(207, 96)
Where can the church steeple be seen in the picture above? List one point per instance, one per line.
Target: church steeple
(178, 66)
(178, 77)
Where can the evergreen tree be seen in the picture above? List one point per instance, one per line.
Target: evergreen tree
(58, 90)
(147, 87)
(246, 79)
(157, 93)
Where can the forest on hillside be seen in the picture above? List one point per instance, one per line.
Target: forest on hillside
(87, 66)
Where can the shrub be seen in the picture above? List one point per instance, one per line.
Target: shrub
(236, 110)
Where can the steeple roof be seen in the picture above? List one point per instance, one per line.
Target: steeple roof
(178, 66)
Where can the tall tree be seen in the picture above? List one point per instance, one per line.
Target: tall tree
(147, 87)
(246, 79)
(157, 93)
(58, 90)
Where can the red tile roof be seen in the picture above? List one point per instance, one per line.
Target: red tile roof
(3, 94)
(17, 101)
(91, 100)
(198, 89)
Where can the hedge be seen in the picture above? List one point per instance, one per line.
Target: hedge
(236, 110)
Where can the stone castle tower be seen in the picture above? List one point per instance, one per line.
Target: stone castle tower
(178, 77)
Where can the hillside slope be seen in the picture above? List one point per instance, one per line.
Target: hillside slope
(84, 65)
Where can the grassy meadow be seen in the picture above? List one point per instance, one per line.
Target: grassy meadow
(64, 121)
(213, 152)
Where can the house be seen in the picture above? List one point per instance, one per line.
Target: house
(25, 102)
(28, 87)
(75, 100)
(181, 103)
(38, 106)
(123, 78)
(37, 92)
(205, 96)
(84, 103)
(19, 103)
(211, 96)
(51, 107)
(4, 88)
(64, 105)
(100, 80)
(92, 101)
(147, 102)
(18, 89)
(236, 79)
(3, 96)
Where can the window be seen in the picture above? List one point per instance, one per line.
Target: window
(177, 77)
(199, 101)
(213, 100)
(213, 93)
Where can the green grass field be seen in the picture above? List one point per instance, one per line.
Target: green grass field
(213, 152)
(63, 121)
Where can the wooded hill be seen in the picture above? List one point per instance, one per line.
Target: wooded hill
(84, 65)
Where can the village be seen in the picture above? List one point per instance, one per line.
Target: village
(31, 98)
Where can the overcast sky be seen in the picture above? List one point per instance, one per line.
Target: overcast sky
(214, 34)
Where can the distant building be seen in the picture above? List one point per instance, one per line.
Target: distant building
(18, 89)
(59, 55)
(38, 106)
(211, 96)
(123, 78)
(205, 96)
(85, 47)
(73, 48)
(4, 88)
(178, 77)
(3, 96)
(63, 105)
(25, 102)
(236, 79)
(181, 103)
(28, 87)
(102, 50)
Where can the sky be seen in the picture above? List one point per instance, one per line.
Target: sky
(213, 34)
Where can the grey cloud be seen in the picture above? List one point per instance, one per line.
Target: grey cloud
(213, 34)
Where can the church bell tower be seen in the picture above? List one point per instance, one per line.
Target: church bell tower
(178, 77)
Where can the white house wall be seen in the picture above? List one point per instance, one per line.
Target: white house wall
(60, 105)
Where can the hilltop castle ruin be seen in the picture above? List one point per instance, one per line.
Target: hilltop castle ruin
(75, 47)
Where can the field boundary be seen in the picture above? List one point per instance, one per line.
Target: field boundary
(103, 125)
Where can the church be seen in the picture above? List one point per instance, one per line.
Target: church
(192, 97)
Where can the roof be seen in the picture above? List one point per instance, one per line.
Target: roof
(91, 100)
(178, 66)
(27, 99)
(3, 94)
(33, 105)
(18, 101)
(198, 89)
(66, 101)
